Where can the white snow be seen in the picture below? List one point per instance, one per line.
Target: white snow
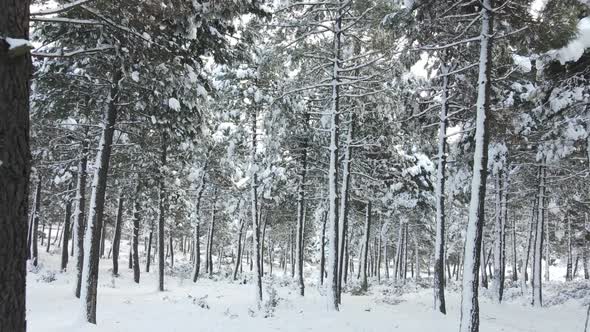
(16, 43)
(135, 76)
(174, 104)
(124, 306)
(576, 47)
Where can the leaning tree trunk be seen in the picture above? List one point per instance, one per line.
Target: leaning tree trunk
(15, 164)
(79, 222)
(537, 300)
(366, 237)
(469, 294)
(97, 200)
(162, 219)
(332, 286)
(254, 216)
(239, 252)
(66, 232)
(34, 240)
(136, 220)
(439, 246)
(117, 236)
(300, 209)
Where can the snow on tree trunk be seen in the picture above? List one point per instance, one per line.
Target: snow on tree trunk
(254, 211)
(97, 199)
(117, 237)
(537, 299)
(343, 212)
(439, 246)
(79, 222)
(332, 280)
(66, 232)
(473, 236)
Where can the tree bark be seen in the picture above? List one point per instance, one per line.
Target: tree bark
(162, 218)
(66, 232)
(367, 235)
(239, 252)
(254, 211)
(97, 199)
(469, 295)
(499, 240)
(343, 213)
(136, 220)
(323, 250)
(149, 248)
(537, 299)
(301, 208)
(117, 236)
(35, 240)
(79, 222)
(15, 166)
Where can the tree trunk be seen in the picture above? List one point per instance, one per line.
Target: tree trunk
(79, 222)
(97, 200)
(66, 232)
(49, 238)
(537, 300)
(469, 294)
(568, 273)
(136, 220)
(162, 218)
(364, 283)
(117, 237)
(102, 239)
(209, 256)
(254, 210)
(239, 252)
(15, 166)
(34, 241)
(514, 256)
(197, 253)
(343, 212)
(323, 250)
(149, 248)
(499, 240)
(300, 208)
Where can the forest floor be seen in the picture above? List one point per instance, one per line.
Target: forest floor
(223, 305)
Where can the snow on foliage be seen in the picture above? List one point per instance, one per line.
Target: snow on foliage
(174, 104)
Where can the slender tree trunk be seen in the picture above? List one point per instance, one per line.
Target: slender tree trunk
(197, 252)
(171, 244)
(469, 294)
(136, 220)
(35, 240)
(569, 275)
(149, 248)
(79, 222)
(532, 227)
(97, 200)
(117, 237)
(499, 240)
(209, 258)
(162, 218)
(239, 252)
(254, 210)
(343, 212)
(49, 238)
(323, 250)
(537, 300)
(364, 283)
(300, 209)
(514, 256)
(102, 239)
(66, 230)
(15, 165)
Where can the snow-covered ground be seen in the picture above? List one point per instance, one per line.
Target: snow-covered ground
(221, 305)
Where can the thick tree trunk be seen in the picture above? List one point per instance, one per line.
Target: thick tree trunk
(97, 199)
(15, 166)
(102, 239)
(79, 221)
(117, 237)
(469, 294)
(66, 232)
(366, 237)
